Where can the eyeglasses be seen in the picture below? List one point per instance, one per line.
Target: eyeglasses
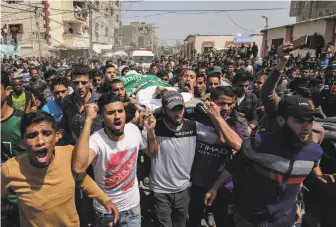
(82, 82)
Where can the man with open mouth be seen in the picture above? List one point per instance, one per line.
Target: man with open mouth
(113, 152)
(42, 178)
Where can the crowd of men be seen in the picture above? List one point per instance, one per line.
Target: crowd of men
(253, 144)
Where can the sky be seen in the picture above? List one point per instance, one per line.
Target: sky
(172, 27)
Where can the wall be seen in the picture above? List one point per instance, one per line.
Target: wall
(309, 28)
(219, 41)
(57, 29)
(27, 38)
(275, 33)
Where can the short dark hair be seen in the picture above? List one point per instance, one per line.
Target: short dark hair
(33, 68)
(116, 81)
(214, 75)
(201, 75)
(5, 81)
(219, 91)
(162, 73)
(61, 81)
(262, 75)
(35, 117)
(24, 61)
(94, 74)
(96, 60)
(241, 77)
(108, 66)
(108, 98)
(80, 70)
(48, 74)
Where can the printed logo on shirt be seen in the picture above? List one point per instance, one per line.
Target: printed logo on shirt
(211, 150)
(121, 170)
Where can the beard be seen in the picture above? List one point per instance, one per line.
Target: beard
(257, 92)
(172, 122)
(293, 139)
(115, 132)
(240, 92)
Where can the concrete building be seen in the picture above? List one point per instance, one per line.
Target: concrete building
(276, 36)
(306, 10)
(65, 26)
(142, 34)
(23, 17)
(202, 43)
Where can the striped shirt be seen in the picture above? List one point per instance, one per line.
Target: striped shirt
(267, 176)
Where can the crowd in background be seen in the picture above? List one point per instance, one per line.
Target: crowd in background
(233, 139)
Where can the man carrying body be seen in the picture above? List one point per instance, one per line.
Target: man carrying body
(272, 167)
(48, 169)
(171, 165)
(113, 152)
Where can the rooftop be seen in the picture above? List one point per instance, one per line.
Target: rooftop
(305, 21)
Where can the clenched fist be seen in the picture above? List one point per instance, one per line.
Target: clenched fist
(91, 111)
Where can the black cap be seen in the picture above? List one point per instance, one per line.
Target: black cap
(171, 99)
(296, 106)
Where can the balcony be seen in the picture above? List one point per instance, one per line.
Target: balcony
(76, 41)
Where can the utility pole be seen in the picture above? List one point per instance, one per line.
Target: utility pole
(38, 31)
(91, 30)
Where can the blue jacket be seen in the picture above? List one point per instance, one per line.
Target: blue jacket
(267, 175)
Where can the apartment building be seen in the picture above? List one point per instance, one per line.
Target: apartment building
(307, 10)
(65, 25)
(142, 34)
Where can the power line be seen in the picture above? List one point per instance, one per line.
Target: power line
(238, 24)
(202, 10)
(12, 13)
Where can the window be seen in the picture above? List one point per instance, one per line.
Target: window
(296, 6)
(305, 3)
(117, 2)
(15, 28)
(106, 31)
(112, 12)
(320, 14)
(277, 42)
(326, 11)
(117, 19)
(97, 4)
(13, 1)
(140, 28)
(303, 18)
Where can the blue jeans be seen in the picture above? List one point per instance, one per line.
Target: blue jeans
(127, 218)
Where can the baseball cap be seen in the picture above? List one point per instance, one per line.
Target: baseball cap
(296, 106)
(171, 99)
(216, 69)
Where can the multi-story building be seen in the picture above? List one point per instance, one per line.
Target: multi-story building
(140, 34)
(65, 25)
(306, 10)
(22, 18)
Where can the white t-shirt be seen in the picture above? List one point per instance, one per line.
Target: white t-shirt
(115, 167)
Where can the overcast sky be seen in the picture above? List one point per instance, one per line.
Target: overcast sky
(177, 26)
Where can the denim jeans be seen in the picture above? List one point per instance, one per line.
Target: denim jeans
(127, 218)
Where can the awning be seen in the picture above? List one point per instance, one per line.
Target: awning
(99, 47)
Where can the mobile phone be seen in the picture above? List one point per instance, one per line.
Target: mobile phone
(300, 42)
